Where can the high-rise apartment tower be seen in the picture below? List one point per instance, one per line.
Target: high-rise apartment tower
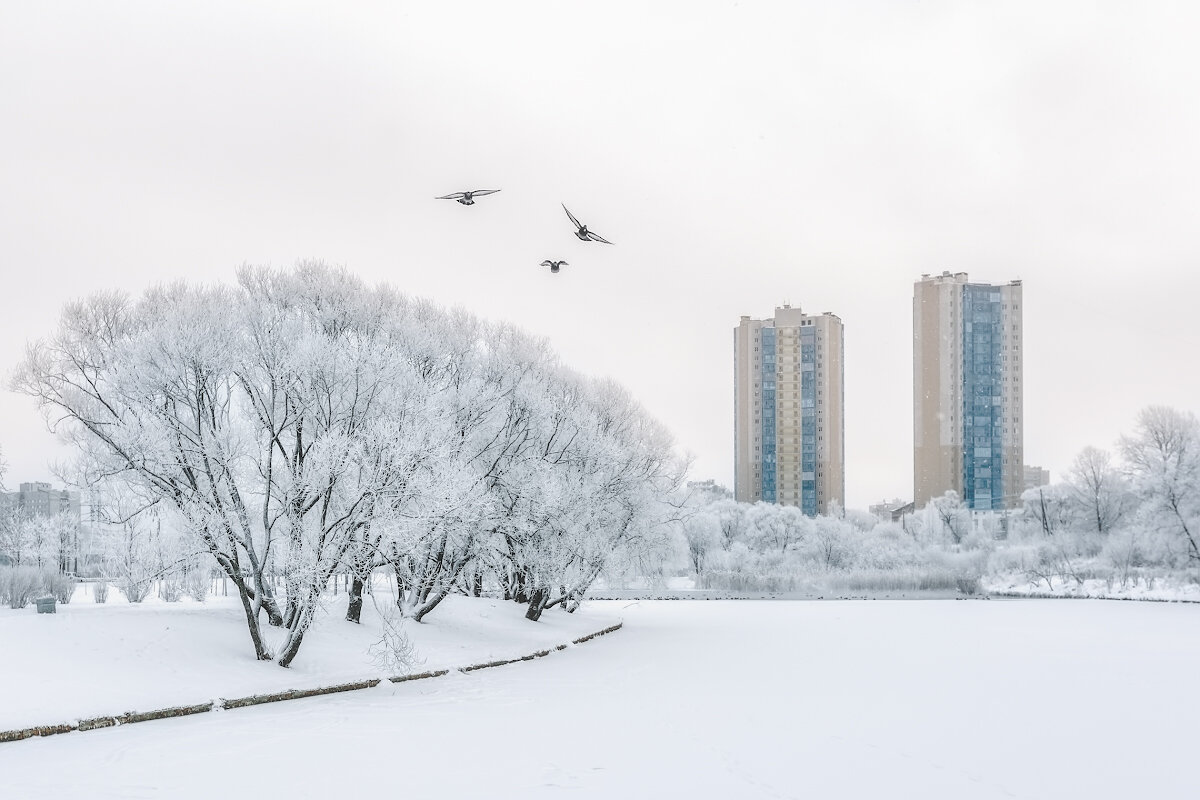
(967, 420)
(789, 433)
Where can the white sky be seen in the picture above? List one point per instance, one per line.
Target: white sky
(739, 155)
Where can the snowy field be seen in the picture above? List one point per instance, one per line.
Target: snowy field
(868, 699)
(89, 660)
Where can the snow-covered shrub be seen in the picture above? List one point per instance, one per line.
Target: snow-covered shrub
(170, 590)
(393, 653)
(18, 585)
(100, 591)
(196, 584)
(135, 590)
(59, 585)
(884, 547)
(968, 585)
(1012, 558)
(896, 579)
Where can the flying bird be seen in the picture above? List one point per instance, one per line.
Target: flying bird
(554, 265)
(583, 233)
(466, 198)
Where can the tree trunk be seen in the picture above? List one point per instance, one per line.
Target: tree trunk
(537, 604)
(260, 648)
(519, 588)
(354, 610)
(477, 585)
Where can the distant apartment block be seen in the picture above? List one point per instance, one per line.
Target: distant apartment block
(789, 430)
(967, 391)
(708, 491)
(1035, 477)
(39, 500)
(885, 509)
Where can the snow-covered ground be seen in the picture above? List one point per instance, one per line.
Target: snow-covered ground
(938, 699)
(1162, 589)
(89, 660)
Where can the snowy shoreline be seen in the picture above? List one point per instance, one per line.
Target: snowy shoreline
(96, 662)
(131, 717)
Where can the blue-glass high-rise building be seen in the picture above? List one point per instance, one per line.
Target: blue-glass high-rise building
(789, 436)
(967, 391)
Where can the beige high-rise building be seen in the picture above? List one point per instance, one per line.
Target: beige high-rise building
(967, 392)
(789, 430)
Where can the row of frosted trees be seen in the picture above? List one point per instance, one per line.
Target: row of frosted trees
(1127, 518)
(1119, 519)
(302, 425)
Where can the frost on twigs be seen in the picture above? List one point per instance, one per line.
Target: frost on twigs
(393, 653)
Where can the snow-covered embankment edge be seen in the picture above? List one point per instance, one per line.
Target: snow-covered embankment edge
(223, 704)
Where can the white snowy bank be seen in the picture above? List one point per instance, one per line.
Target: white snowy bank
(884, 699)
(91, 660)
(1162, 589)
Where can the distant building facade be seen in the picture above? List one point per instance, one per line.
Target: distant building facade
(885, 509)
(1035, 477)
(789, 400)
(40, 500)
(967, 391)
(708, 491)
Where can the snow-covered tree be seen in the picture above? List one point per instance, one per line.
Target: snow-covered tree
(303, 424)
(702, 533)
(1049, 507)
(732, 517)
(250, 412)
(1163, 458)
(948, 517)
(615, 492)
(1098, 491)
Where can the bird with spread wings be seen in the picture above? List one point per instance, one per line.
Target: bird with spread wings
(467, 198)
(581, 230)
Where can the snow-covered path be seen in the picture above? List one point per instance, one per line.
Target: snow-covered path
(937, 699)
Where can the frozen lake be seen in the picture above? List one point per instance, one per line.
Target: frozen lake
(723, 699)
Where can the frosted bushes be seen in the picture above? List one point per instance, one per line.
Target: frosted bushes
(196, 584)
(135, 590)
(59, 585)
(829, 555)
(20, 585)
(901, 579)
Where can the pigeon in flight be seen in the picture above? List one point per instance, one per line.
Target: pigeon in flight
(466, 198)
(554, 265)
(583, 233)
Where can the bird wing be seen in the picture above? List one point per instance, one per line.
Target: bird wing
(595, 237)
(546, 263)
(572, 216)
(454, 196)
(484, 191)
(563, 264)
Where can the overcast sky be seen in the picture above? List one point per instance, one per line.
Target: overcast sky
(739, 154)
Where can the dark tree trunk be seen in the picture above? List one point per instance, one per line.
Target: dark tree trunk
(260, 648)
(477, 584)
(401, 588)
(537, 604)
(354, 609)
